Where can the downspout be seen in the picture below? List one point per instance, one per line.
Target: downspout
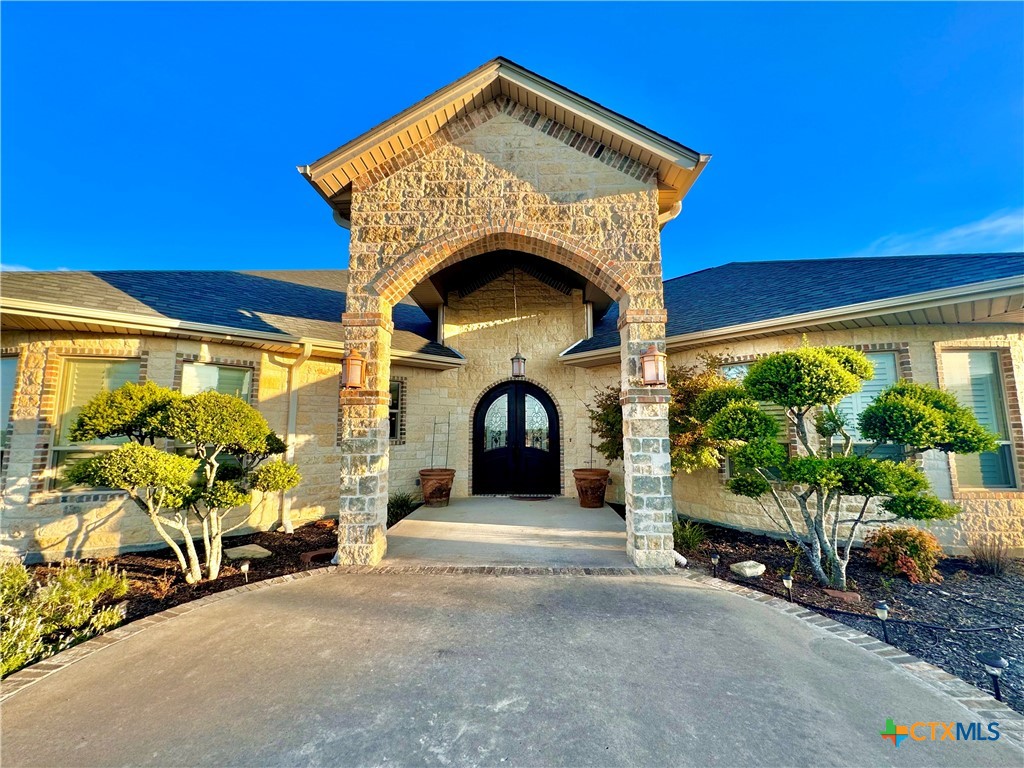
(289, 453)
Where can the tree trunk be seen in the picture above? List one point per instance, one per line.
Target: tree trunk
(216, 545)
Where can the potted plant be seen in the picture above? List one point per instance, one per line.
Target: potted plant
(436, 483)
(591, 484)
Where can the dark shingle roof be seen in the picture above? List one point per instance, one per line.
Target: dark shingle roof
(304, 303)
(309, 303)
(751, 291)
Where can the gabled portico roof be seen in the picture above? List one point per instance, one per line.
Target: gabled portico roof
(677, 165)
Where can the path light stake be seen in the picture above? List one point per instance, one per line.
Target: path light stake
(714, 564)
(882, 612)
(244, 568)
(787, 582)
(995, 665)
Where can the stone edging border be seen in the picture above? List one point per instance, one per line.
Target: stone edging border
(1011, 722)
(42, 669)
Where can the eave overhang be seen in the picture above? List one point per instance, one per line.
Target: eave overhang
(992, 301)
(20, 314)
(677, 165)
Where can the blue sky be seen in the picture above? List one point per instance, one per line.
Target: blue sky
(162, 135)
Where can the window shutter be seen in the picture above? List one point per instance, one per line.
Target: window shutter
(852, 406)
(84, 379)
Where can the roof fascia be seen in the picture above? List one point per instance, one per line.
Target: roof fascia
(144, 323)
(909, 303)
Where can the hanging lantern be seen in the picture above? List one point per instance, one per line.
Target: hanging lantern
(353, 370)
(518, 361)
(653, 366)
(518, 366)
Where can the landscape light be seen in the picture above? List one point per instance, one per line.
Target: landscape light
(995, 665)
(787, 582)
(882, 612)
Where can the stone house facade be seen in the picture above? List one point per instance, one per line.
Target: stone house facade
(503, 213)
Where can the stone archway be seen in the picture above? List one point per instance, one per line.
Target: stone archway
(502, 184)
(394, 282)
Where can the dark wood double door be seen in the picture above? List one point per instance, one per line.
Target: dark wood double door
(515, 442)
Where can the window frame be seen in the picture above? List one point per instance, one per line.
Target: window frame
(249, 369)
(837, 440)
(787, 433)
(53, 469)
(1012, 441)
(5, 432)
(399, 410)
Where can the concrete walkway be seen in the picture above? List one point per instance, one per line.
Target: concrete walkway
(452, 670)
(553, 533)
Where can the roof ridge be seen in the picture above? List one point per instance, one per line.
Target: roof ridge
(880, 258)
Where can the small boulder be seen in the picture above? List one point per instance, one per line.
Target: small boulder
(248, 552)
(748, 569)
(848, 597)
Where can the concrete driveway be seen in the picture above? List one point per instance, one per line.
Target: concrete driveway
(464, 669)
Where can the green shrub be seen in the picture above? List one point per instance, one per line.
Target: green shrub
(688, 535)
(399, 506)
(909, 552)
(40, 618)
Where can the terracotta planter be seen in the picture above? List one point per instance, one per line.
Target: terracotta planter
(590, 486)
(437, 486)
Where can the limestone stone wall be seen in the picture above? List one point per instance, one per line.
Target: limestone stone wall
(500, 177)
(483, 327)
(702, 495)
(41, 522)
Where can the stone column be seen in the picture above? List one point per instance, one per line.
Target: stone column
(364, 442)
(648, 463)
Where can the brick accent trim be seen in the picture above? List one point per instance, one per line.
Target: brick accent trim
(506, 106)
(558, 412)
(367, 320)
(641, 316)
(1014, 421)
(407, 272)
(46, 423)
(254, 365)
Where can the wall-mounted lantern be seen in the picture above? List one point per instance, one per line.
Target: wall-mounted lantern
(518, 365)
(653, 365)
(353, 370)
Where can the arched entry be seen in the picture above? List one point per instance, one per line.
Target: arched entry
(516, 446)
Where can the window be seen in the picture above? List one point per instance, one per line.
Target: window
(81, 381)
(852, 406)
(209, 377)
(8, 374)
(226, 379)
(974, 377)
(735, 373)
(395, 410)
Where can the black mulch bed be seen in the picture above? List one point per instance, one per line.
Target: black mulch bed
(156, 583)
(966, 598)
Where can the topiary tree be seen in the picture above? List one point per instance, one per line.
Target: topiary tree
(231, 441)
(158, 483)
(809, 495)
